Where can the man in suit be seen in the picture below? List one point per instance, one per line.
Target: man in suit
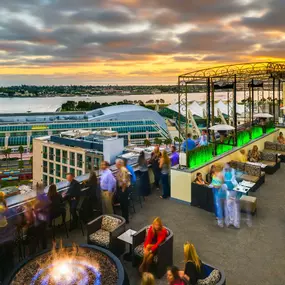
(73, 195)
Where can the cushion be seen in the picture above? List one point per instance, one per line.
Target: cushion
(110, 223)
(268, 156)
(138, 251)
(250, 178)
(212, 279)
(280, 147)
(270, 145)
(253, 170)
(100, 237)
(268, 163)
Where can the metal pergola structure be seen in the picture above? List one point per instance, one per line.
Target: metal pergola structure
(251, 78)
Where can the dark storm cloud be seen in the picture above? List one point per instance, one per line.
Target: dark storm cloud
(272, 20)
(103, 17)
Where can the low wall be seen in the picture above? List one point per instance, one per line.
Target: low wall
(181, 178)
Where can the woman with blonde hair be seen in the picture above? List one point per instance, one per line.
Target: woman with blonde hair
(254, 154)
(147, 279)
(194, 269)
(164, 165)
(155, 236)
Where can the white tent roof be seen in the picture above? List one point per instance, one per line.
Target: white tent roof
(197, 109)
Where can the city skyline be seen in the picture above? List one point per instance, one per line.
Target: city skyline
(61, 42)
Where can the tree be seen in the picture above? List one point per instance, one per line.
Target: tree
(7, 153)
(147, 143)
(21, 164)
(21, 150)
(168, 141)
(158, 141)
(177, 139)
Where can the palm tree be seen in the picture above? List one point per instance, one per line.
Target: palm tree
(158, 141)
(177, 139)
(21, 150)
(21, 164)
(7, 152)
(168, 141)
(147, 143)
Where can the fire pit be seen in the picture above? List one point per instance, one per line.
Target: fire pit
(76, 265)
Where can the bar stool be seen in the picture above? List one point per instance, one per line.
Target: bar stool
(53, 224)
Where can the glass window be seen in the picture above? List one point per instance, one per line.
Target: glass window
(45, 179)
(57, 155)
(51, 168)
(72, 158)
(45, 164)
(51, 180)
(57, 170)
(72, 170)
(79, 160)
(79, 172)
(64, 171)
(51, 153)
(64, 156)
(57, 180)
(88, 162)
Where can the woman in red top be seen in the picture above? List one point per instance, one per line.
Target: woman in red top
(155, 236)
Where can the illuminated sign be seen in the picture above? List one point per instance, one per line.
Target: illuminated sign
(39, 127)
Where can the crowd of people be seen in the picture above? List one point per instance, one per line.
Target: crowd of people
(100, 194)
(193, 267)
(190, 143)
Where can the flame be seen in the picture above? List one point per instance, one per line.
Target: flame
(67, 266)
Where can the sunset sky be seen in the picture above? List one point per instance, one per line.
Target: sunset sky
(133, 41)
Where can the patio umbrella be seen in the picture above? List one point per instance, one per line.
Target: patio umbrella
(262, 115)
(221, 127)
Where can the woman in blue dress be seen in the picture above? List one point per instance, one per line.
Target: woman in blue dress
(218, 195)
(232, 212)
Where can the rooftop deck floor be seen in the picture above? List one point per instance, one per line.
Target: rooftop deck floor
(251, 255)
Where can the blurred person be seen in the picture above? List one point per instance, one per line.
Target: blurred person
(242, 156)
(280, 138)
(199, 179)
(203, 139)
(188, 144)
(232, 211)
(194, 268)
(123, 182)
(92, 191)
(57, 207)
(73, 195)
(173, 278)
(7, 240)
(155, 236)
(218, 195)
(164, 165)
(131, 172)
(107, 186)
(154, 160)
(144, 183)
(209, 176)
(147, 279)
(3, 210)
(174, 158)
(254, 154)
(42, 215)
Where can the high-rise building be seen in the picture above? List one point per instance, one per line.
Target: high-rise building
(133, 123)
(76, 152)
